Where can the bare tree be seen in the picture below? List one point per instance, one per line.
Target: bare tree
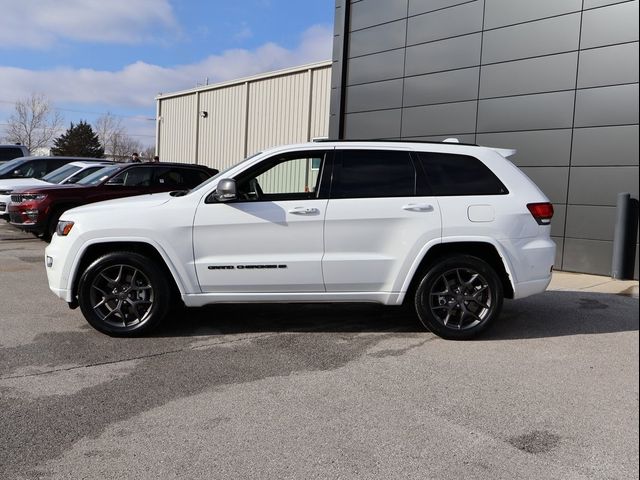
(34, 122)
(124, 146)
(148, 153)
(109, 129)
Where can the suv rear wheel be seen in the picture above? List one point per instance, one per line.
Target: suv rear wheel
(459, 297)
(124, 294)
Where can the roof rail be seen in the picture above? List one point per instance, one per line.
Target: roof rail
(404, 140)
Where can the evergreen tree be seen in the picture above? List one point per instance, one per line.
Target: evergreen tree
(78, 141)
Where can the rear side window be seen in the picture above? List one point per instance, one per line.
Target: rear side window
(449, 174)
(374, 173)
(176, 177)
(9, 153)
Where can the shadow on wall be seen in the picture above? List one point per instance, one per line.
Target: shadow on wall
(551, 314)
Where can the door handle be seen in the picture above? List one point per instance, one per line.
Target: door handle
(418, 207)
(304, 211)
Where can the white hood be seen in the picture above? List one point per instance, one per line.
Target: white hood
(133, 204)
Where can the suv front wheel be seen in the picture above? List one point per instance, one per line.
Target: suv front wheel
(459, 297)
(124, 294)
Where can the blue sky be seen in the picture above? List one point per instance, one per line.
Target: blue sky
(94, 56)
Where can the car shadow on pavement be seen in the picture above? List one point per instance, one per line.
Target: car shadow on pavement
(551, 314)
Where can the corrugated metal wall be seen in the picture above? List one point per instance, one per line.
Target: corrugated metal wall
(244, 117)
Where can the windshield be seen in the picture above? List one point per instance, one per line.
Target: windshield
(222, 173)
(11, 165)
(98, 177)
(60, 174)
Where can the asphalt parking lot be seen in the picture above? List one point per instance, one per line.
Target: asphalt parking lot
(314, 391)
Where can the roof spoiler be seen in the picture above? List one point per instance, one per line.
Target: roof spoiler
(505, 152)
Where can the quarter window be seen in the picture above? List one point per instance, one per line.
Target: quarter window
(449, 174)
(374, 173)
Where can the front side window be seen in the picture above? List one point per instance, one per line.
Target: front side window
(133, 177)
(449, 174)
(33, 169)
(99, 176)
(287, 177)
(374, 174)
(83, 173)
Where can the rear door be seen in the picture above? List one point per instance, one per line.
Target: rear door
(379, 216)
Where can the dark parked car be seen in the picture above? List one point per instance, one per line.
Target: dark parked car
(37, 210)
(34, 167)
(9, 152)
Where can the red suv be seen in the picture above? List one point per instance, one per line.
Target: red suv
(37, 209)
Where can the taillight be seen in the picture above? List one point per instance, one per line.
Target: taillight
(542, 212)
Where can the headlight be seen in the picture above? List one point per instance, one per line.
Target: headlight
(33, 197)
(63, 228)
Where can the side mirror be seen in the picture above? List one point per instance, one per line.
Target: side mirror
(226, 190)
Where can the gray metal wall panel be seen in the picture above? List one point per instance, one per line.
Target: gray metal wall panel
(559, 247)
(499, 13)
(535, 75)
(530, 112)
(381, 124)
(551, 180)
(375, 39)
(601, 185)
(439, 119)
(557, 222)
(459, 52)
(541, 148)
(374, 96)
(589, 256)
(599, 3)
(450, 22)
(607, 106)
(373, 68)
(591, 222)
(417, 7)
(543, 37)
(608, 65)
(609, 25)
(373, 12)
(603, 146)
(452, 86)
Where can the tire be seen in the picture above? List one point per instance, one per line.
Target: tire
(124, 294)
(459, 297)
(50, 228)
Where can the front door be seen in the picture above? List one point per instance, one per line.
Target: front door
(270, 239)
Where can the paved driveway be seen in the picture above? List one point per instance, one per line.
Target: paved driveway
(314, 391)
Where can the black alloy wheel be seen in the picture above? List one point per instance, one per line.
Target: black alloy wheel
(124, 294)
(459, 297)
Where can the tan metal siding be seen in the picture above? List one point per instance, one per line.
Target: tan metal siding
(320, 99)
(244, 117)
(278, 111)
(221, 135)
(177, 129)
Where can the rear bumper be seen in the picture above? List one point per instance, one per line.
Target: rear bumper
(526, 289)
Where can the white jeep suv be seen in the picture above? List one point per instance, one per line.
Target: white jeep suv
(449, 228)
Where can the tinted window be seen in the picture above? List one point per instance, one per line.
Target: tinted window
(31, 169)
(449, 174)
(374, 173)
(83, 173)
(9, 153)
(54, 163)
(176, 177)
(133, 177)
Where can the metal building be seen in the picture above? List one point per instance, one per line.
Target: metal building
(558, 80)
(219, 125)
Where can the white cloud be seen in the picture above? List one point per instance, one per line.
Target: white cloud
(137, 84)
(42, 23)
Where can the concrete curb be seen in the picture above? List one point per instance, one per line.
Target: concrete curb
(569, 281)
